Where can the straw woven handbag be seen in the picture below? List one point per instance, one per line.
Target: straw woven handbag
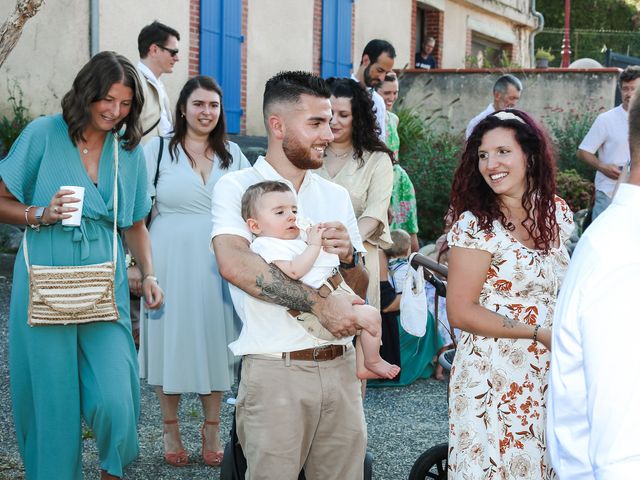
(64, 295)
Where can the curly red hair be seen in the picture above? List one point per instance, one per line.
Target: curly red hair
(470, 192)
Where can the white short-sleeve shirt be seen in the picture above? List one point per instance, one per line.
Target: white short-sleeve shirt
(477, 119)
(609, 136)
(274, 249)
(268, 328)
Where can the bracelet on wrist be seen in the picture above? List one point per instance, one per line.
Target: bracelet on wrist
(535, 333)
(33, 226)
(150, 277)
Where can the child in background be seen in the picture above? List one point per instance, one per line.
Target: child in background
(398, 258)
(270, 210)
(392, 261)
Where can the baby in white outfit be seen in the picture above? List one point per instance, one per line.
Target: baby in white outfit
(270, 210)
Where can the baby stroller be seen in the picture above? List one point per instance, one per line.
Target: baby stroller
(433, 463)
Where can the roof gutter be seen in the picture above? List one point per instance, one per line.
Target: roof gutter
(538, 29)
(94, 27)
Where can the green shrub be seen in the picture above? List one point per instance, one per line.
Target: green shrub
(10, 128)
(411, 128)
(431, 162)
(574, 189)
(567, 136)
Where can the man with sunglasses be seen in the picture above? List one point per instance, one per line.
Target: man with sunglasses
(158, 48)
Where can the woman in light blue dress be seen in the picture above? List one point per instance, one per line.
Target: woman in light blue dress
(60, 373)
(183, 346)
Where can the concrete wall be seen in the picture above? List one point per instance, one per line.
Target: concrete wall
(458, 19)
(279, 37)
(454, 43)
(458, 96)
(120, 33)
(386, 19)
(55, 45)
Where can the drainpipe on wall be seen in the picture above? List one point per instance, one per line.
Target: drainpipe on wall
(94, 27)
(540, 17)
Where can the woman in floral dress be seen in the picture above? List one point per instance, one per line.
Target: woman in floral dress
(506, 263)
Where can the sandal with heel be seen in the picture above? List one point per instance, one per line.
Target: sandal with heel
(177, 459)
(211, 457)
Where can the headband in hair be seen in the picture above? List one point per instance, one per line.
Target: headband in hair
(502, 115)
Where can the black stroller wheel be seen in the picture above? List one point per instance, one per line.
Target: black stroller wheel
(431, 464)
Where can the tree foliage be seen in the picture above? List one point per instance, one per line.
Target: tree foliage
(596, 25)
(591, 14)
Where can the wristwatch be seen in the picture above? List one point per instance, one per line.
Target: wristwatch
(353, 263)
(39, 214)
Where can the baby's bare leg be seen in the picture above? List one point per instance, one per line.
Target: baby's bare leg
(369, 362)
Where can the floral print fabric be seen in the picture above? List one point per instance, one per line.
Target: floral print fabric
(393, 139)
(497, 398)
(404, 211)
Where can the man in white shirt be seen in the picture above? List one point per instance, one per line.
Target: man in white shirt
(608, 137)
(158, 48)
(506, 94)
(299, 403)
(593, 414)
(377, 60)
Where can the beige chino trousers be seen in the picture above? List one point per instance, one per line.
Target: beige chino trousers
(298, 414)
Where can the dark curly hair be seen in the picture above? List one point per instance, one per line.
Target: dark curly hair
(470, 192)
(365, 129)
(217, 139)
(92, 84)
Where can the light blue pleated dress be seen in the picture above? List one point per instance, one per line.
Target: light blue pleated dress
(59, 373)
(183, 345)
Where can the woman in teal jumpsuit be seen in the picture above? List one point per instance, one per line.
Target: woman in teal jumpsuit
(59, 373)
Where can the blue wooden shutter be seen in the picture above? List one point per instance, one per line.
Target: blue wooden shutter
(336, 38)
(220, 52)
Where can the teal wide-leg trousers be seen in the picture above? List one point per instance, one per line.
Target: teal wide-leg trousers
(60, 373)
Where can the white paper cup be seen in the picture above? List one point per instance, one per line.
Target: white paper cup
(74, 220)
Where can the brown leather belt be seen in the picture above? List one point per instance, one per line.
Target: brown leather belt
(325, 290)
(318, 354)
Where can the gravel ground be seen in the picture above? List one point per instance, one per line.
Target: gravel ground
(402, 423)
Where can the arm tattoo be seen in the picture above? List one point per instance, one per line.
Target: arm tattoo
(508, 323)
(282, 290)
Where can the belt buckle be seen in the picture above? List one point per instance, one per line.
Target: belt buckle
(316, 352)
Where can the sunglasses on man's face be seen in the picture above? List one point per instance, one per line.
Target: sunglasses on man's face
(172, 52)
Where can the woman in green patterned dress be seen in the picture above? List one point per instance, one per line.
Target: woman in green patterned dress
(403, 210)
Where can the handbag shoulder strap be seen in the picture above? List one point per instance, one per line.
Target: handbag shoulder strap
(114, 255)
(116, 147)
(155, 179)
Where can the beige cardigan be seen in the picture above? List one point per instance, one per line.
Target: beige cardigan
(370, 188)
(151, 109)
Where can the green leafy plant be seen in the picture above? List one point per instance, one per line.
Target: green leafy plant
(506, 62)
(431, 162)
(10, 127)
(574, 189)
(542, 54)
(567, 135)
